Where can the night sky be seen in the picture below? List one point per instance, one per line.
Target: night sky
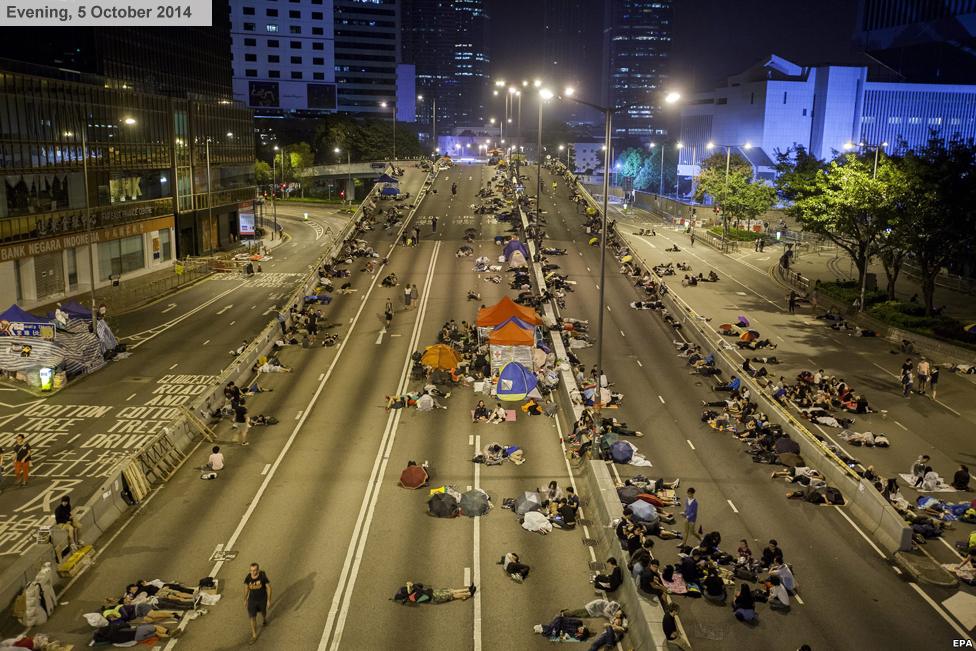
(712, 38)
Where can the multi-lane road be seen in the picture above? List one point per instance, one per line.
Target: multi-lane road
(315, 499)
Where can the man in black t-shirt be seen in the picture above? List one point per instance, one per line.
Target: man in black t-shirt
(257, 598)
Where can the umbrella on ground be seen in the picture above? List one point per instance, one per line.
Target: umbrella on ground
(527, 501)
(790, 459)
(440, 356)
(474, 503)
(727, 329)
(443, 505)
(743, 321)
(750, 335)
(413, 477)
(644, 512)
(621, 452)
(628, 494)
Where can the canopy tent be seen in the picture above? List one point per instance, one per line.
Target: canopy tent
(386, 178)
(489, 317)
(514, 245)
(510, 334)
(15, 314)
(390, 189)
(515, 382)
(440, 356)
(74, 310)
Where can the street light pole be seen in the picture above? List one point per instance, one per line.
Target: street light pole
(538, 165)
(88, 221)
(274, 189)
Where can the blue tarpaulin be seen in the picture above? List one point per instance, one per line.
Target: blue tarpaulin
(515, 245)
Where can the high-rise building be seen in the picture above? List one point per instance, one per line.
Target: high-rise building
(367, 51)
(122, 149)
(284, 56)
(447, 41)
(637, 50)
(572, 43)
(926, 41)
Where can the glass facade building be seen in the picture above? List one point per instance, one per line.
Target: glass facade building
(97, 177)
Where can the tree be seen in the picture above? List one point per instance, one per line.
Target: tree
(849, 205)
(796, 171)
(262, 172)
(298, 157)
(631, 162)
(736, 194)
(737, 164)
(936, 190)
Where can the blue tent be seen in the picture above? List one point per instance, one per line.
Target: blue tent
(515, 382)
(515, 245)
(390, 189)
(517, 321)
(74, 310)
(386, 178)
(16, 315)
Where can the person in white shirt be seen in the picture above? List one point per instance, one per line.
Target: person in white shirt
(785, 574)
(216, 461)
(779, 598)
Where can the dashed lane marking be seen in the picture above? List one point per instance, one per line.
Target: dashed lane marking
(661, 399)
(169, 307)
(267, 467)
(900, 425)
(639, 363)
(174, 366)
(298, 415)
(321, 375)
(130, 397)
(233, 322)
(690, 444)
(622, 334)
(205, 343)
(732, 506)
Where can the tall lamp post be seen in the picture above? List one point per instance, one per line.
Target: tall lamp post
(874, 174)
(607, 119)
(544, 96)
(728, 163)
(392, 104)
(274, 190)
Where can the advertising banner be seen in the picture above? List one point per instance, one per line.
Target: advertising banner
(245, 222)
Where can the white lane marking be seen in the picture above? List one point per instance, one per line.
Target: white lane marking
(690, 444)
(298, 415)
(950, 548)
(639, 364)
(476, 562)
(900, 425)
(142, 337)
(321, 375)
(224, 309)
(174, 366)
(780, 338)
(735, 510)
(661, 399)
(597, 286)
(962, 633)
(608, 308)
(470, 439)
(171, 306)
(232, 322)
(622, 334)
(795, 595)
(342, 598)
(467, 576)
(253, 306)
(379, 337)
(587, 268)
(897, 571)
(267, 467)
(205, 343)
(267, 311)
(863, 535)
(130, 397)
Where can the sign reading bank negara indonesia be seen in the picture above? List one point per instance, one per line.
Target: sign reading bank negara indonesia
(62, 242)
(106, 13)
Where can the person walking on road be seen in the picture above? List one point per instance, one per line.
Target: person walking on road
(241, 421)
(792, 302)
(406, 295)
(692, 240)
(433, 224)
(257, 598)
(690, 515)
(923, 370)
(906, 382)
(388, 313)
(414, 294)
(934, 380)
(416, 234)
(22, 460)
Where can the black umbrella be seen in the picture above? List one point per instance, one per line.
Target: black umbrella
(443, 505)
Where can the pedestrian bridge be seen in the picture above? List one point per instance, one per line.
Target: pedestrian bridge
(355, 170)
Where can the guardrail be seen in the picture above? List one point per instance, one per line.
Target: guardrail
(129, 482)
(871, 509)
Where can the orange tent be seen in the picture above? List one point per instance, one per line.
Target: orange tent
(505, 309)
(511, 335)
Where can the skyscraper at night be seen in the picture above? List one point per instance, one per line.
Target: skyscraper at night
(637, 50)
(932, 41)
(447, 41)
(572, 42)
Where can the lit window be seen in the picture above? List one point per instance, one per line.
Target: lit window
(271, 27)
(894, 119)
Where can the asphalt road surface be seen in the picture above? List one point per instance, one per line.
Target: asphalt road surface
(315, 501)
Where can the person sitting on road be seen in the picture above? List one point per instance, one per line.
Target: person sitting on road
(426, 402)
(498, 415)
(733, 385)
(390, 280)
(714, 588)
(514, 567)
(609, 582)
(744, 605)
(960, 480)
(564, 516)
(785, 574)
(481, 413)
(777, 596)
(272, 366)
(216, 460)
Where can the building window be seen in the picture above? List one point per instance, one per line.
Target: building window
(295, 29)
(296, 45)
(914, 120)
(316, 15)
(318, 61)
(250, 56)
(297, 60)
(296, 74)
(165, 244)
(316, 2)
(271, 13)
(318, 76)
(271, 27)
(250, 72)
(318, 31)
(274, 74)
(273, 58)
(248, 11)
(935, 121)
(894, 119)
(250, 42)
(272, 43)
(294, 14)
(318, 46)
(248, 27)
(804, 112)
(120, 256)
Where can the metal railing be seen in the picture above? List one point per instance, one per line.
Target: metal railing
(130, 294)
